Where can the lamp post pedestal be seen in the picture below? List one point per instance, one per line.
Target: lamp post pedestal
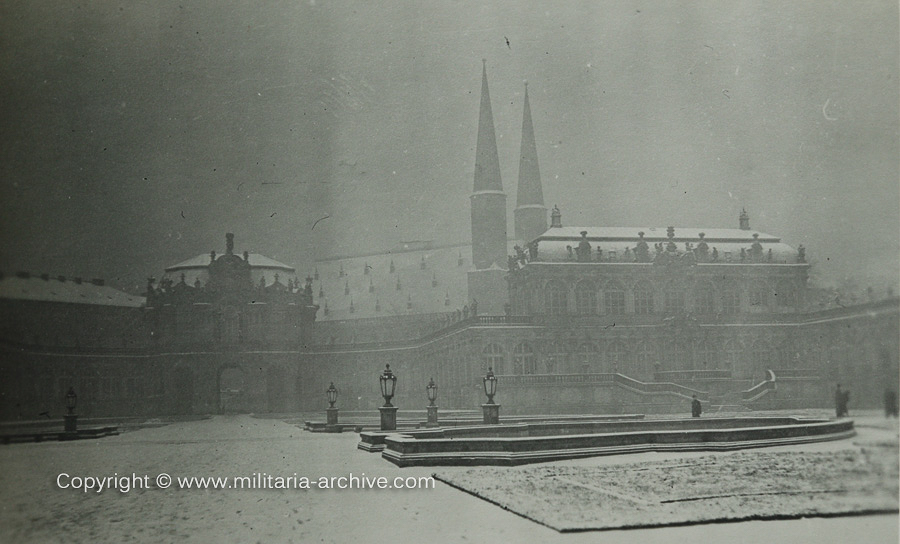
(491, 413)
(388, 418)
(432, 416)
(70, 423)
(331, 417)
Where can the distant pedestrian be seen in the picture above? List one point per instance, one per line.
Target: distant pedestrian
(890, 403)
(838, 401)
(844, 411)
(696, 408)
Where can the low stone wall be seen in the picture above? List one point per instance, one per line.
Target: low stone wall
(373, 441)
(45, 436)
(529, 443)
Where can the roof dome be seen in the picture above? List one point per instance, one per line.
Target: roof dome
(197, 268)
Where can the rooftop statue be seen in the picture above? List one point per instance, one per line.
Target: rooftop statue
(702, 249)
(584, 249)
(532, 250)
(756, 249)
(642, 250)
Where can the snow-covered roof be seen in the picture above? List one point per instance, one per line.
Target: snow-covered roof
(256, 261)
(68, 290)
(614, 241)
(440, 286)
(657, 234)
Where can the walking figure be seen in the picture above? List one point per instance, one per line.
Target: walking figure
(696, 408)
(841, 399)
(890, 403)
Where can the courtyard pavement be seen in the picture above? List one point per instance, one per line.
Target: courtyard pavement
(34, 509)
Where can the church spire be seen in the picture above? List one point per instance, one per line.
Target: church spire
(530, 213)
(488, 201)
(487, 162)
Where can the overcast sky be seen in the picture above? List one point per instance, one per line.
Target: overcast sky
(135, 134)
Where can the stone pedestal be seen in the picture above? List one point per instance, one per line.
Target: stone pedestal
(70, 423)
(388, 418)
(331, 416)
(432, 416)
(491, 414)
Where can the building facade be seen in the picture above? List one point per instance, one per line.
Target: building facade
(572, 319)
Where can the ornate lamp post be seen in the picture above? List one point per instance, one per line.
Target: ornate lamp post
(331, 413)
(491, 409)
(431, 391)
(388, 411)
(70, 420)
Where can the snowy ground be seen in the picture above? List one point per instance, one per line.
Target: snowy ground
(34, 509)
(752, 485)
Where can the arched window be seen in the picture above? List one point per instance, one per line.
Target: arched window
(556, 358)
(678, 355)
(645, 357)
(785, 295)
(705, 356)
(762, 356)
(674, 299)
(523, 302)
(704, 298)
(555, 298)
(837, 358)
(523, 359)
(758, 294)
(587, 357)
(492, 355)
(731, 298)
(788, 356)
(616, 356)
(732, 352)
(585, 298)
(613, 298)
(643, 298)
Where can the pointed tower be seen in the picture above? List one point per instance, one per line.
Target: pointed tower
(488, 200)
(530, 215)
(487, 281)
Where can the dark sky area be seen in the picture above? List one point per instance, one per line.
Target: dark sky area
(135, 134)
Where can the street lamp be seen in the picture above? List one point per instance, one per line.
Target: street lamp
(388, 382)
(491, 409)
(331, 413)
(70, 420)
(332, 394)
(431, 391)
(490, 385)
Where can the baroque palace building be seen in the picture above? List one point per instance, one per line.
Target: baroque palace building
(571, 318)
